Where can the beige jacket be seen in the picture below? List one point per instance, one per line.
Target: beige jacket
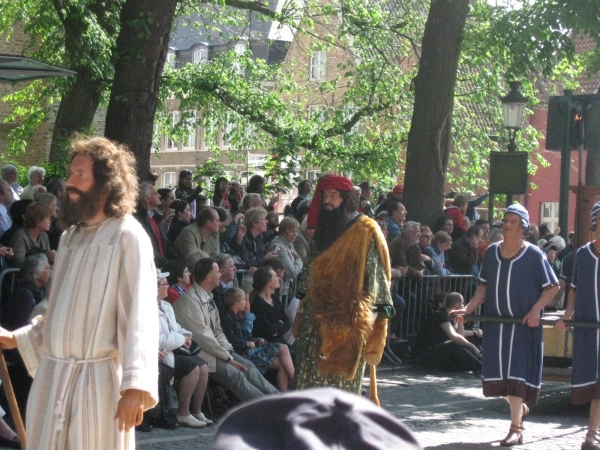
(189, 244)
(196, 311)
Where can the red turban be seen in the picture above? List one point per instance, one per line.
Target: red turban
(326, 182)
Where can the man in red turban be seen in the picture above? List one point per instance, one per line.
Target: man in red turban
(345, 291)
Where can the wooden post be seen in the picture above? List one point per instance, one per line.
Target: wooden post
(12, 401)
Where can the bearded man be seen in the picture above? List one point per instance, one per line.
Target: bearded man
(95, 354)
(345, 291)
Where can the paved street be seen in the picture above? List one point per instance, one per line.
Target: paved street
(445, 411)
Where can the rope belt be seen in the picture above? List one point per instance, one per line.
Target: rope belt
(59, 409)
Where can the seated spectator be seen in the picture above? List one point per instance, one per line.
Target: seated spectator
(256, 185)
(164, 210)
(190, 370)
(462, 257)
(200, 240)
(178, 278)
(405, 251)
(395, 220)
(228, 280)
(283, 246)
(220, 196)
(495, 235)
(17, 215)
(33, 238)
(248, 243)
(443, 224)
(484, 225)
(9, 174)
(196, 311)
(442, 344)
(58, 188)
(181, 219)
(303, 240)
(272, 225)
(35, 175)
(16, 310)
(55, 231)
(263, 354)
(456, 212)
(252, 201)
(425, 240)
(6, 199)
(442, 242)
(37, 191)
(271, 320)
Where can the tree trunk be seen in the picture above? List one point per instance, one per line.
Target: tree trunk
(142, 50)
(75, 112)
(430, 136)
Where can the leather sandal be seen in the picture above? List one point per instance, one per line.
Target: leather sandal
(591, 441)
(514, 436)
(524, 412)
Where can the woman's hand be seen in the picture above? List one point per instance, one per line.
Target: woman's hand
(188, 342)
(51, 254)
(459, 315)
(250, 345)
(7, 339)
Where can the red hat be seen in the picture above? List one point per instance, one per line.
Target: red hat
(398, 189)
(326, 182)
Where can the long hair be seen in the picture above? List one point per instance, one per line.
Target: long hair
(114, 172)
(217, 193)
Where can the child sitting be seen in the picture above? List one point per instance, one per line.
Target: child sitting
(264, 355)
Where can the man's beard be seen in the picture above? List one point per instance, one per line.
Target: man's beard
(84, 208)
(330, 227)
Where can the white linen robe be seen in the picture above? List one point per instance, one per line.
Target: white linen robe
(99, 338)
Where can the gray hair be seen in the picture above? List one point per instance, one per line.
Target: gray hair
(33, 170)
(408, 226)
(32, 265)
(558, 242)
(8, 168)
(222, 258)
(248, 200)
(495, 235)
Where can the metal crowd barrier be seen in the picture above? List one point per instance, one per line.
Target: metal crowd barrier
(420, 297)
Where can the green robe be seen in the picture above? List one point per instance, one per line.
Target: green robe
(307, 374)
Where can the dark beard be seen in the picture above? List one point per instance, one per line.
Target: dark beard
(331, 226)
(73, 212)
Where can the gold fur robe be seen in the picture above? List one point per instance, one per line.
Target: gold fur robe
(346, 287)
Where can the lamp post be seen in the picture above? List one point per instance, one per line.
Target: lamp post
(513, 107)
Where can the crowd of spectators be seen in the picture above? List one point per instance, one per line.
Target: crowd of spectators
(227, 267)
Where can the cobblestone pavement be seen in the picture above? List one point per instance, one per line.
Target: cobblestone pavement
(444, 411)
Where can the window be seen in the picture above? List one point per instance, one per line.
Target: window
(190, 142)
(169, 179)
(171, 59)
(350, 111)
(239, 50)
(200, 56)
(312, 175)
(318, 62)
(229, 128)
(549, 214)
(175, 116)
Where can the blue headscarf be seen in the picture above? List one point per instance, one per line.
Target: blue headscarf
(595, 211)
(520, 211)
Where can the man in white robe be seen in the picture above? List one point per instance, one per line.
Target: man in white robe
(94, 357)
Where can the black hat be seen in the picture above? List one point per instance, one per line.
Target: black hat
(325, 418)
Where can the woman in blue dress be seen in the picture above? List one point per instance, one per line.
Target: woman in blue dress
(516, 280)
(584, 305)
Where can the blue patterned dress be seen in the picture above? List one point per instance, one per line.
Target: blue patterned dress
(512, 353)
(585, 380)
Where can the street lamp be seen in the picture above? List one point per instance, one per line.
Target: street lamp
(513, 107)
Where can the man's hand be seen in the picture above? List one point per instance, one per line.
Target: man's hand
(130, 409)
(250, 345)
(162, 354)
(532, 318)
(168, 215)
(7, 339)
(7, 252)
(51, 254)
(188, 342)
(237, 365)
